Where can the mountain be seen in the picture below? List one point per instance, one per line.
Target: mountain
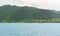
(10, 13)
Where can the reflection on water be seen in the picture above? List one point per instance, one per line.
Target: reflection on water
(29, 29)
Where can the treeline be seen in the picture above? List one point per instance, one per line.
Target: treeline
(10, 13)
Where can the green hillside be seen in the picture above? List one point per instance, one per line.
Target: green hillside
(10, 13)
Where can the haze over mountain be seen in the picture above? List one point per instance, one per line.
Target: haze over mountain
(44, 4)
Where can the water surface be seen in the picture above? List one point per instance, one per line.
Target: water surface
(29, 29)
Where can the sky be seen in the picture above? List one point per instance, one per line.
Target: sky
(44, 4)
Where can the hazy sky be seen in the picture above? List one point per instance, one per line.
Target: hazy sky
(45, 4)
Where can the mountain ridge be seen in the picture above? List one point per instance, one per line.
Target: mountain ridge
(14, 13)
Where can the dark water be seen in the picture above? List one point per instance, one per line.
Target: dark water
(29, 29)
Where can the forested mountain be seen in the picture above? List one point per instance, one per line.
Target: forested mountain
(10, 13)
(57, 14)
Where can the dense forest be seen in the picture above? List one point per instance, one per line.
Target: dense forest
(14, 13)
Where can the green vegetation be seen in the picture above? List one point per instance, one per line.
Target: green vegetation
(10, 13)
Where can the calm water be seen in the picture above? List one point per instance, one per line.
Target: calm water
(29, 29)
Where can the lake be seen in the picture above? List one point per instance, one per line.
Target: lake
(29, 29)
